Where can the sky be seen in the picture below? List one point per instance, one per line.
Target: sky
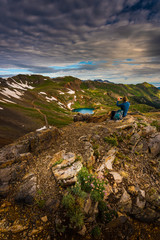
(115, 40)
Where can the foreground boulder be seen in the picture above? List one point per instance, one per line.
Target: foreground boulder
(66, 167)
(154, 144)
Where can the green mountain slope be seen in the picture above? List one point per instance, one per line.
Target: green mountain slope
(31, 102)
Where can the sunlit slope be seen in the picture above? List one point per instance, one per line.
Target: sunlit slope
(31, 102)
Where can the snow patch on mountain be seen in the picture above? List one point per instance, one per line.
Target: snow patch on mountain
(70, 91)
(61, 104)
(49, 99)
(43, 93)
(25, 85)
(3, 100)
(11, 93)
(61, 92)
(69, 105)
(21, 85)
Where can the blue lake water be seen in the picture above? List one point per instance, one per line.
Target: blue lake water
(84, 110)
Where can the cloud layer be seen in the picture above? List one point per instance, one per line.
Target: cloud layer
(37, 36)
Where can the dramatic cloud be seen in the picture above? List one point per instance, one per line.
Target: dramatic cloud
(87, 38)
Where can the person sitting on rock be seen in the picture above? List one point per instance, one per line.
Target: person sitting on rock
(117, 115)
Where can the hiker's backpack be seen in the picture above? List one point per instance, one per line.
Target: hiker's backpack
(118, 115)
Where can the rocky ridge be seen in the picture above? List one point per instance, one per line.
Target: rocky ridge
(38, 170)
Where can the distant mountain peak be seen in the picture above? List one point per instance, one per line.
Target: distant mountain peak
(100, 80)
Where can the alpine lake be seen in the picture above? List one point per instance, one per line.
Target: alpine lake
(84, 110)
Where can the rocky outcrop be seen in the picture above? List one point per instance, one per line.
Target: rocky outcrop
(66, 167)
(15, 158)
(81, 117)
(89, 118)
(27, 189)
(124, 154)
(154, 144)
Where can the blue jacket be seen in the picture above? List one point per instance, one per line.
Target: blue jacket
(124, 106)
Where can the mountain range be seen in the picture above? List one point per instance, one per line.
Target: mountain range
(30, 102)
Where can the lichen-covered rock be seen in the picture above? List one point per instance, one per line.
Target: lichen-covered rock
(125, 202)
(81, 117)
(140, 202)
(133, 190)
(117, 177)
(108, 160)
(135, 137)
(128, 119)
(154, 144)
(87, 205)
(147, 215)
(148, 130)
(89, 158)
(5, 177)
(67, 175)
(66, 168)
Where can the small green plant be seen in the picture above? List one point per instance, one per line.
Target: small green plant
(116, 160)
(128, 159)
(137, 153)
(111, 140)
(77, 218)
(96, 151)
(76, 190)
(105, 214)
(73, 206)
(96, 232)
(78, 158)
(140, 124)
(58, 162)
(120, 155)
(143, 124)
(152, 191)
(40, 203)
(120, 138)
(60, 228)
(68, 201)
(39, 191)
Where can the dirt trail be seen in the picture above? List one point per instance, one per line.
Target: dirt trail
(45, 117)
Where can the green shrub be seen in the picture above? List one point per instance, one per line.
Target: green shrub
(91, 184)
(40, 203)
(73, 209)
(105, 214)
(76, 190)
(68, 202)
(77, 218)
(96, 151)
(111, 140)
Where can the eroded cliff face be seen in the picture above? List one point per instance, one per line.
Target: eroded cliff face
(110, 170)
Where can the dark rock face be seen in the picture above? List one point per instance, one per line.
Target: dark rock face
(154, 144)
(15, 158)
(89, 118)
(81, 117)
(5, 177)
(27, 189)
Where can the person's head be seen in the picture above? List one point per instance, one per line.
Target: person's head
(124, 99)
